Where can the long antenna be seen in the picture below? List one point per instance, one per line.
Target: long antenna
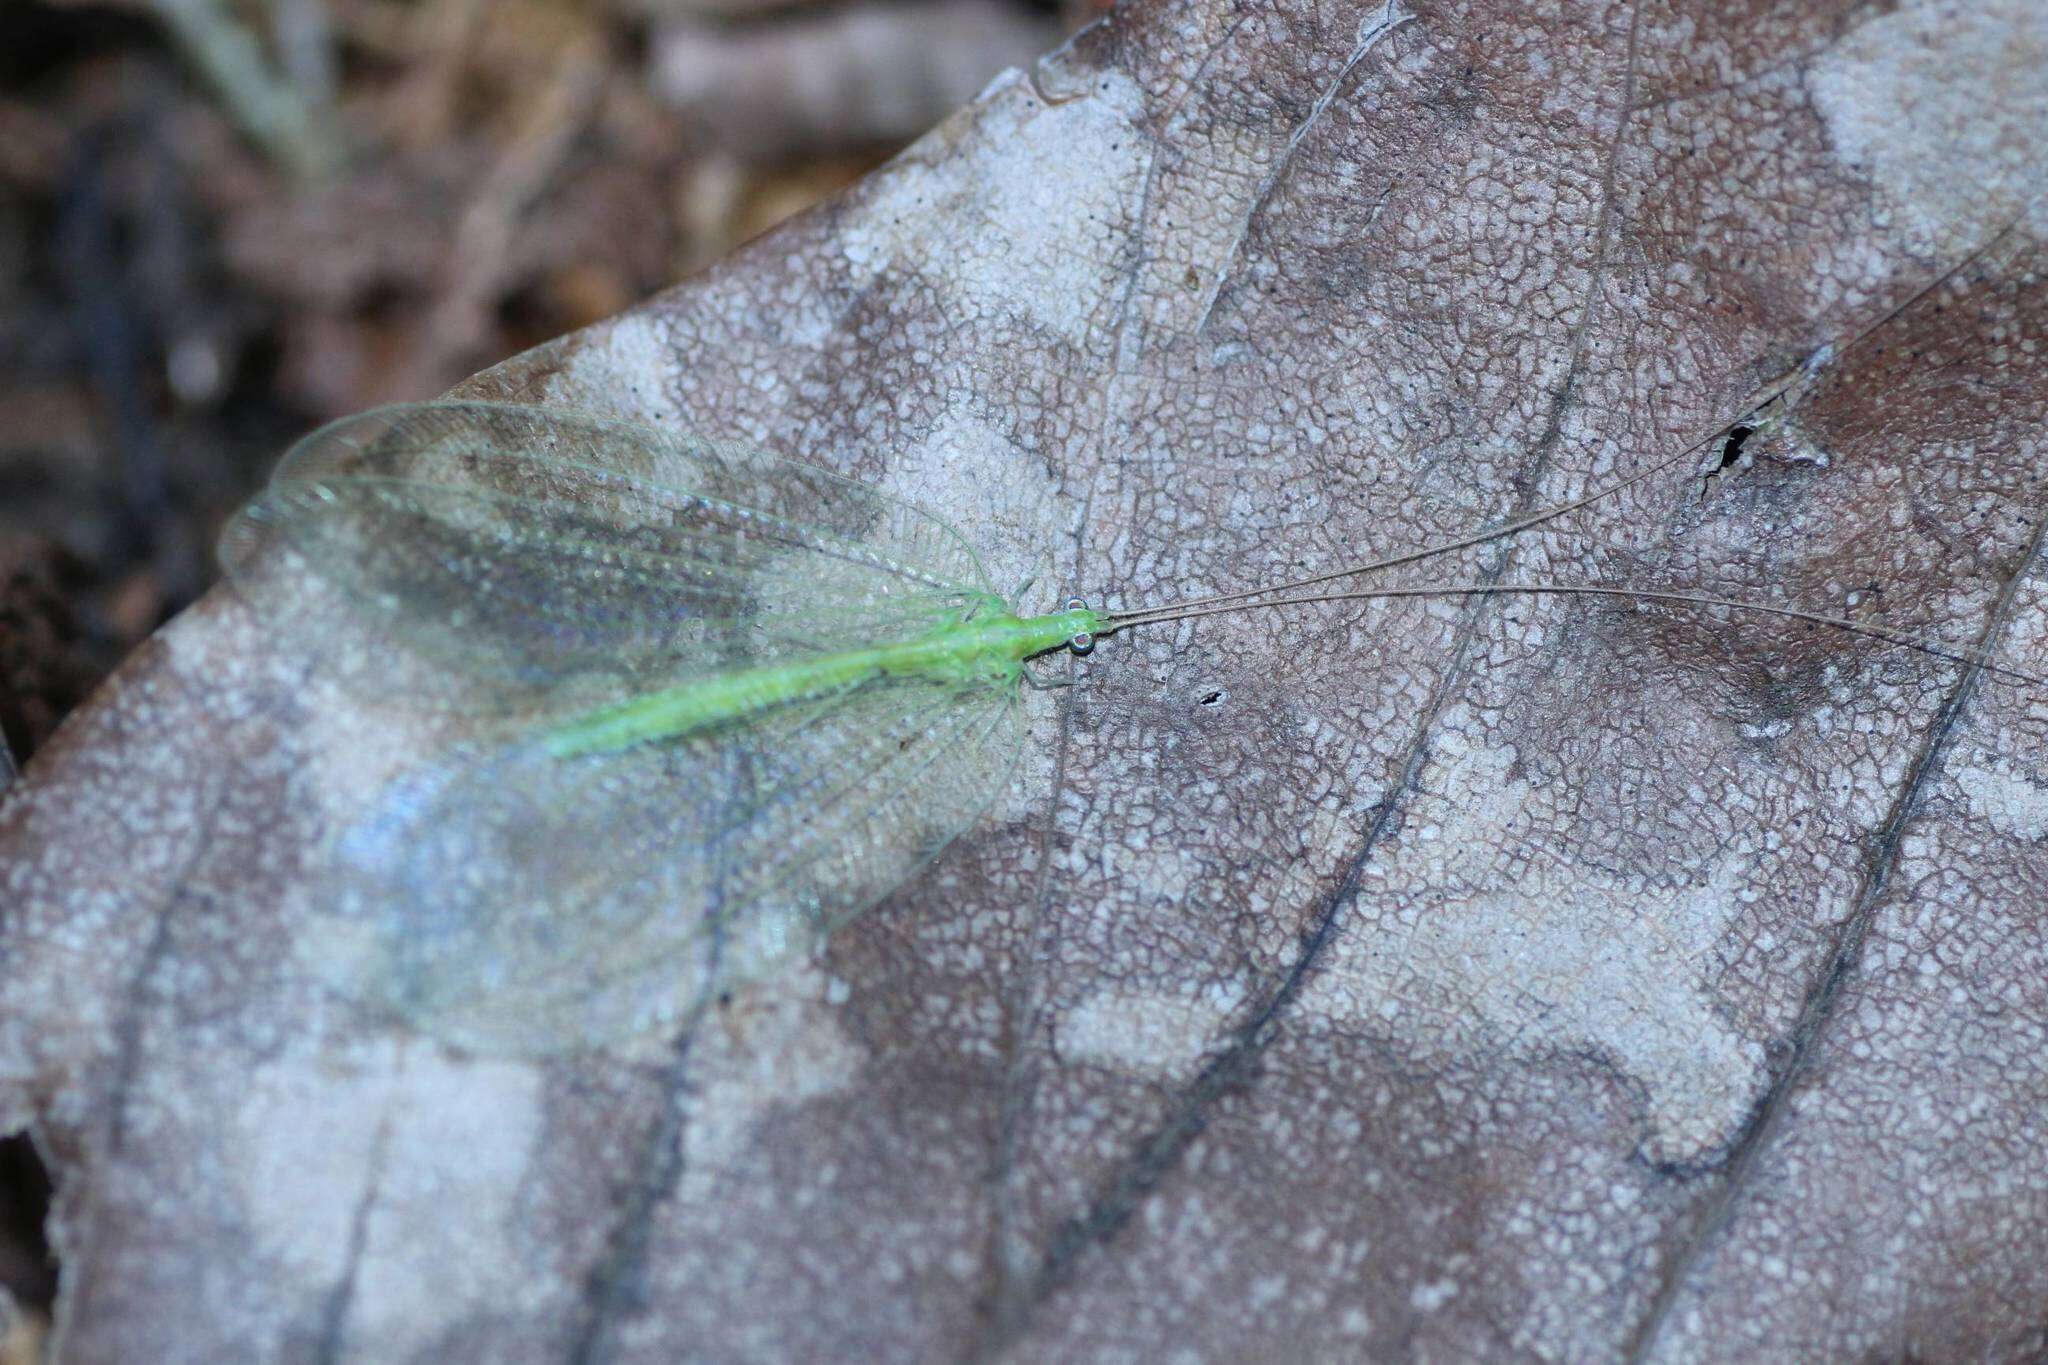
(1966, 654)
(1479, 537)
(1785, 390)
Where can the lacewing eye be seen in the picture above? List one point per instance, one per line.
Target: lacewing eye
(1085, 641)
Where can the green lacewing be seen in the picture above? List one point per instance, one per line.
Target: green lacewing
(735, 699)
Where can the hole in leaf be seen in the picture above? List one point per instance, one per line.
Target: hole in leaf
(1731, 449)
(28, 1269)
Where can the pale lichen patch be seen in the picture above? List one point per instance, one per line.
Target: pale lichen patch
(771, 1048)
(2006, 798)
(1949, 158)
(1150, 1032)
(344, 1160)
(624, 370)
(1024, 218)
(1562, 957)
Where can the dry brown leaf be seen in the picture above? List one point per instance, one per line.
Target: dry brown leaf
(1531, 976)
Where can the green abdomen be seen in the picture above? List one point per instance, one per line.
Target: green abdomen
(989, 651)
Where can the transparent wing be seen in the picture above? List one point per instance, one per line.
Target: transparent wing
(522, 904)
(561, 559)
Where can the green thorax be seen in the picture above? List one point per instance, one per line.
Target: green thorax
(986, 646)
